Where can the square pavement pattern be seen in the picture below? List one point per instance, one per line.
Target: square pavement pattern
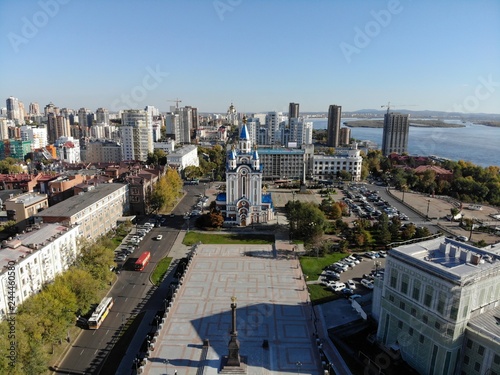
(272, 304)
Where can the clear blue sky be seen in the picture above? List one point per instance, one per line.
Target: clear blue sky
(260, 54)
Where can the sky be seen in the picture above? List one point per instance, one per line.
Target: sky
(259, 54)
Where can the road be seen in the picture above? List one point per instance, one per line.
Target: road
(132, 293)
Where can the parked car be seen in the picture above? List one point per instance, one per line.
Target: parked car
(367, 283)
(354, 296)
(382, 254)
(159, 237)
(351, 284)
(337, 286)
(347, 292)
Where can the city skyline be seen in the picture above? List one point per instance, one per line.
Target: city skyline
(259, 55)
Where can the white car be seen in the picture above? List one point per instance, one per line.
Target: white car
(351, 284)
(367, 283)
(159, 237)
(337, 286)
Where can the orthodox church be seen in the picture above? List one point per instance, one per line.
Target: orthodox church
(244, 202)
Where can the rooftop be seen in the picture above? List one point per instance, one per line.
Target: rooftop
(77, 203)
(487, 324)
(449, 259)
(19, 246)
(29, 198)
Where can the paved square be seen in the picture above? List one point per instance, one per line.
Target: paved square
(272, 305)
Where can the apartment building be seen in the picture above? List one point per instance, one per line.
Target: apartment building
(96, 209)
(22, 207)
(34, 259)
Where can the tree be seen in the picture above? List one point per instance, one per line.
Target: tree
(157, 157)
(84, 287)
(306, 220)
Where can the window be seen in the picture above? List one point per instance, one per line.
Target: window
(404, 284)
(496, 359)
(466, 359)
(413, 312)
(394, 278)
(425, 319)
(402, 305)
(421, 339)
(428, 296)
(437, 325)
(416, 290)
(449, 332)
(480, 350)
(477, 366)
(469, 343)
(391, 298)
(400, 324)
(410, 331)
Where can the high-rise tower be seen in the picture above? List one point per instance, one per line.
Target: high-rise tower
(395, 135)
(334, 115)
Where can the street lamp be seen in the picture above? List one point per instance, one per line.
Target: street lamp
(298, 364)
(428, 204)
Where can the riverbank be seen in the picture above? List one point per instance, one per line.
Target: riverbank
(415, 123)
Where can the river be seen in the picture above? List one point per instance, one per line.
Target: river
(477, 144)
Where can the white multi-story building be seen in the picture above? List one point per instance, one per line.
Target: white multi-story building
(347, 159)
(36, 134)
(168, 146)
(300, 131)
(68, 149)
(13, 110)
(437, 305)
(273, 121)
(33, 259)
(102, 116)
(136, 135)
(96, 209)
(184, 157)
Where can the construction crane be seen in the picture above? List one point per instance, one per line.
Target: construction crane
(388, 106)
(177, 101)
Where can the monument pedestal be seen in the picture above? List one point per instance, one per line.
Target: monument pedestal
(228, 369)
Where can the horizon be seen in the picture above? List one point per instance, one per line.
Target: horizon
(257, 55)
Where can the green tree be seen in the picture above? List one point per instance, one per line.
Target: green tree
(83, 286)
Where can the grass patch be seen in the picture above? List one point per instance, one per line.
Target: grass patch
(227, 239)
(160, 270)
(312, 266)
(319, 294)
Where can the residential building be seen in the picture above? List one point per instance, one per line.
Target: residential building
(437, 305)
(4, 128)
(244, 203)
(83, 117)
(14, 148)
(333, 129)
(136, 135)
(345, 159)
(96, 209)
(23, 207)
(62, 187)
(300, 132)
(39, 255)
(57, 126)
(345, 136)
(37, 135)
(13, 111)
(293, 110)
(34, 109)
(168, 146)
(102, 116)
(183, 157)
(273, 121)
(395, 134)
(141, 184)
(103, 151)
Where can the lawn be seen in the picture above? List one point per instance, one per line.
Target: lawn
(160, 270)
(319, 294)
(227, 239)
(312, 266)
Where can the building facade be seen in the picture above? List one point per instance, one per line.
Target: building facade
(329, 166)
(35, 259)
(395, 134)
(285, 163)
(430, 305)
(25, 206)
(183, 157)
(96, 209)
(136, 135)
(333, 129)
